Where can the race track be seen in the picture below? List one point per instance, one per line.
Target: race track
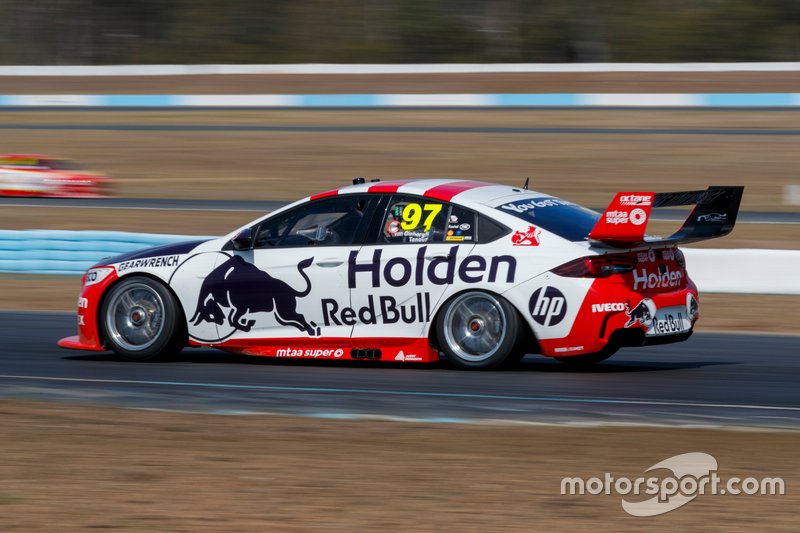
(712, 379)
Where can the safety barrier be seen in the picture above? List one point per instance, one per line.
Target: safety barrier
(409, 68)
(69, 252)
(557, 100)
(746, 271)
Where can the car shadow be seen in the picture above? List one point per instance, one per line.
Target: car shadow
(531, 363)
(539, 364)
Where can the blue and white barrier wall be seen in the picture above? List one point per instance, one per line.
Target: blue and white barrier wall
(406, 100)
(385, 68)
(69, 252)
(745, 271)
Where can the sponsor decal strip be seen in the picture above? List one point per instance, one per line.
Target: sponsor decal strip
(149, 262)
(387, 311)
(548, 306)
(412, 349)
(663, 279)
(608, 307)
(669, 324)
(400, 272)
(313, 353)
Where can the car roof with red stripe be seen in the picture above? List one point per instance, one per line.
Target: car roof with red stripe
(461, 191)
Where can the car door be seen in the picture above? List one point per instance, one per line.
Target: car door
(412, 254)
(297, 269)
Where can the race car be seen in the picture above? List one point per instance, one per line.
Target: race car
(38, 175)
(476, 272)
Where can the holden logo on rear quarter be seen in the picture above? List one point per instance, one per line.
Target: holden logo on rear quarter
(529, 237)
(548, 306)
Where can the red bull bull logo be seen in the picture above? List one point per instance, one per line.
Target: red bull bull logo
(236, 288)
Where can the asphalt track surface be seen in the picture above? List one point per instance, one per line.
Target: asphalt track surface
(710, 380)
(264, 206)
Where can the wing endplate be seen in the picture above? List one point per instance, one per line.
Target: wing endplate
(625, 219)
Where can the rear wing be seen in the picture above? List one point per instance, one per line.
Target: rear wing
(623, 223)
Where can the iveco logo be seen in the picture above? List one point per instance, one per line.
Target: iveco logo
(608, 307)
(548, 306)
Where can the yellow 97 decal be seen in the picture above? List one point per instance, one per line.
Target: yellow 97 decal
(412, 215)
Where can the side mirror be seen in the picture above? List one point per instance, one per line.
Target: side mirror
(243, 240)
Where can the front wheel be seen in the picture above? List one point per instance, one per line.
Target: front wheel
(477, 330)
(140, 320)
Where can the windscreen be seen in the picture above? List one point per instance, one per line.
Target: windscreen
(565, 219)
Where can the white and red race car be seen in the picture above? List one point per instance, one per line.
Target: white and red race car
(404, 270)
(39, 175)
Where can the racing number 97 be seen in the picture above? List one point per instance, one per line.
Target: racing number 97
(412, 216)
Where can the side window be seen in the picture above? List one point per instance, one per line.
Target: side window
(409, 219)
(414, 220)
(490, 230)
(460, 225)
(328, 222)
(272, 230)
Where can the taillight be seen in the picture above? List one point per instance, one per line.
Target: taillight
(596, 266)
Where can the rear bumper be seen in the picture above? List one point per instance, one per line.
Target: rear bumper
(667, 339)
(613, 315)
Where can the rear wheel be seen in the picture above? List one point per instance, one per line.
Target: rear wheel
(140, 320)
(477, 330)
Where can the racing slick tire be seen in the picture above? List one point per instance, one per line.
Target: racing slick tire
(477, 330)
(140, 320)
(588, 359)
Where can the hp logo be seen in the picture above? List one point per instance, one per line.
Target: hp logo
(548, 306)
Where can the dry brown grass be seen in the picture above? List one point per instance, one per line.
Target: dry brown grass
(519, 118)
(72, 468)
(287, 165)
(624, 82)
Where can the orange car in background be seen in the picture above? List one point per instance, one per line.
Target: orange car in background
(39, 175)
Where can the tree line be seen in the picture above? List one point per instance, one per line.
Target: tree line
(396, 31)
